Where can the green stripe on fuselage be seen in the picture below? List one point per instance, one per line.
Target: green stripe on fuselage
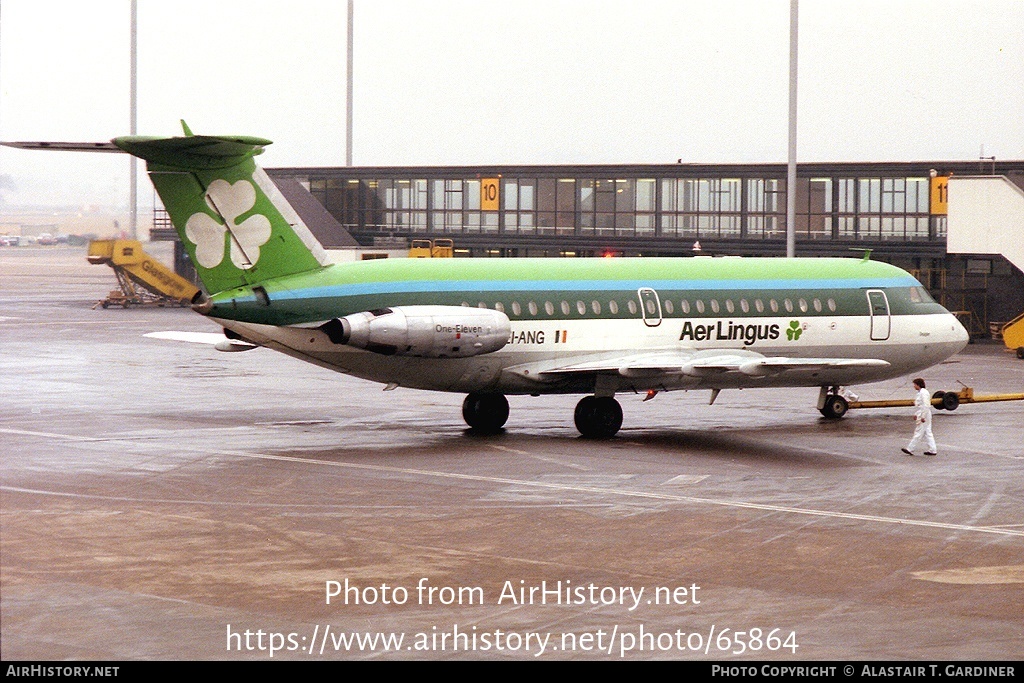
(350, 288)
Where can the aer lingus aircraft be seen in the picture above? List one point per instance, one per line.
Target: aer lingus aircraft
(492, 327)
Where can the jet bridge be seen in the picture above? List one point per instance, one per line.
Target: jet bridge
(986, 216)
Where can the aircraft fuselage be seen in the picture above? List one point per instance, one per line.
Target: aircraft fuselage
(566, 313)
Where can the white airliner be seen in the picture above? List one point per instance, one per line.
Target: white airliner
(492, 327)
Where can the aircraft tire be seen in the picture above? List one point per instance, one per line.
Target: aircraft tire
(485, 412)
(835, 407)
(598, 417)
(950, 401)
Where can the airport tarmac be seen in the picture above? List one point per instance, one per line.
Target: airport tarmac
(161, 500)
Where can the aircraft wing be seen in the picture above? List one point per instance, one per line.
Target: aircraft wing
(704, 364)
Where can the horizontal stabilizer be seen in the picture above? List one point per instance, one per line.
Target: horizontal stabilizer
(67, 146)
(195, 152)
(215, 339)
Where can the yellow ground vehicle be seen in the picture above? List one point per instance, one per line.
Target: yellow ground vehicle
(144, 281)
(439, 248)
(942, 400)
(1013, 335)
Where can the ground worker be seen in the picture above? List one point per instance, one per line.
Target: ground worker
(923, 420)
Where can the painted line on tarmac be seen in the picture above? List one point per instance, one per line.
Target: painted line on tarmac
(962, 449)
(568, 487)
(553, 461)
(112, 323)
(634, 494)
(51, 435)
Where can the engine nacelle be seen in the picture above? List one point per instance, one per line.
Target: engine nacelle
(423, 331)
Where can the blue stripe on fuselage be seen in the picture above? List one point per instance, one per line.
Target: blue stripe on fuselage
(443, 286)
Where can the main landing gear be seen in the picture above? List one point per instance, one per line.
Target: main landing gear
(598, 417)
(485, 412)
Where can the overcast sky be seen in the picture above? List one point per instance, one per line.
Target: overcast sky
(527, 81)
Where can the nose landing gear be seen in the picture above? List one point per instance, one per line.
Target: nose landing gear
(831, 405)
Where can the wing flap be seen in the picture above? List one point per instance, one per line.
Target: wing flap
(704, 364)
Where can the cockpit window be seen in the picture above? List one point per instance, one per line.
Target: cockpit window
(920, 295)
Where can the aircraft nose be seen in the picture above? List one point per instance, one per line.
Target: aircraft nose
(958, 332)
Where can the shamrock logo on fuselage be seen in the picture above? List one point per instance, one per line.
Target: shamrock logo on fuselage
(793, 332)
(207, 233)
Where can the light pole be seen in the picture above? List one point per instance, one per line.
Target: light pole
(348, 98)
(133, 116)
(791, 168)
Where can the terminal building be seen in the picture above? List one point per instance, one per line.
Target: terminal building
(908, 214)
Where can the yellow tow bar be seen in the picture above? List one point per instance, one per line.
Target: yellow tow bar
(943, 400)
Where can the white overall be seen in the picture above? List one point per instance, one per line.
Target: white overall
(923, 418)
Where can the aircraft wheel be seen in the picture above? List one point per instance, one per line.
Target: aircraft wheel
(485, 412)
(835, 407)
(941, 395)
(598, 417)
(950, 401)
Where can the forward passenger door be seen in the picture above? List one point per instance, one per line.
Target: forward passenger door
(878, 305)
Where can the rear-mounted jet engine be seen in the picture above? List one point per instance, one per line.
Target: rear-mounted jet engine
(423, 331)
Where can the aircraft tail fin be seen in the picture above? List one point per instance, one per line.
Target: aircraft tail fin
(237, 227)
